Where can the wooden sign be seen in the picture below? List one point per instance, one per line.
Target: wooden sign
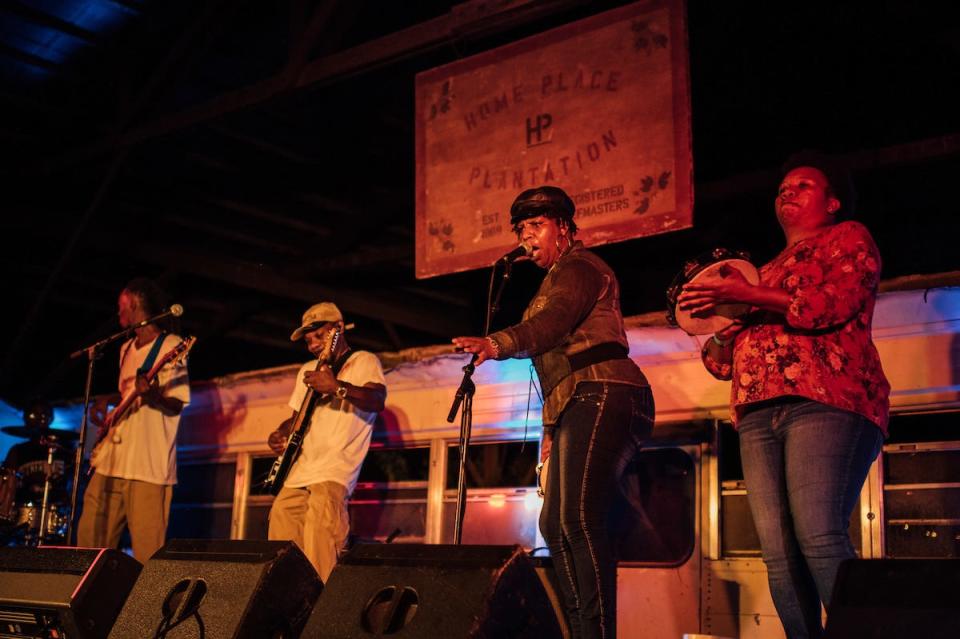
(600, 108)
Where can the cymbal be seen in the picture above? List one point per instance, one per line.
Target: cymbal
(38, 433)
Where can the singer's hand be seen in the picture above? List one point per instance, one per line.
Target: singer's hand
(480, 346)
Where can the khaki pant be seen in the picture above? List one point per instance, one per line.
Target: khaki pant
(316, 518)
(111, 503)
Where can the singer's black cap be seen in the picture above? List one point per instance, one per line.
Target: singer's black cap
(543, 200)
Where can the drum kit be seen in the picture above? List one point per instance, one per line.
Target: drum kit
(34, 509)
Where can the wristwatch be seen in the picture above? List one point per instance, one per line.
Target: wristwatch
(341, 391)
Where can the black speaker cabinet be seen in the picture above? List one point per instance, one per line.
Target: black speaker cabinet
(896, 598)
(414, 591)
(221, 589)
(63, 592)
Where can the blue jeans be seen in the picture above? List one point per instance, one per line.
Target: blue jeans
(598, 434)
(804, 464)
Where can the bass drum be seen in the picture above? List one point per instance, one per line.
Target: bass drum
(719, 262)
(56, 523)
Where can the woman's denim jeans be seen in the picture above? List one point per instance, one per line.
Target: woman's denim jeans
(598, 434)
(804, 464)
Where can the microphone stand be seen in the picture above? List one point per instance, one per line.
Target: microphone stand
(93, 353)
(464, 396)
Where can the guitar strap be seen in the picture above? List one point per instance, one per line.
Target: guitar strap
(337, 365)
(152, 355)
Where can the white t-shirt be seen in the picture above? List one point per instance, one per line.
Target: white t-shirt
(339, 434)
(147, 448)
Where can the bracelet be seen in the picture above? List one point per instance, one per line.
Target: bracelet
(722, 342)
(496, 347)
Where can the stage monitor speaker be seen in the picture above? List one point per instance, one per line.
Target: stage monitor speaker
(63, 592)
(220, 589)
(414, 591)
(895, 598)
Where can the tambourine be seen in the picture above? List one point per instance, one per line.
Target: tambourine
(719, 262)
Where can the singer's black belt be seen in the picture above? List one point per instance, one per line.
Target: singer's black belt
(596, 354)
(554, 367)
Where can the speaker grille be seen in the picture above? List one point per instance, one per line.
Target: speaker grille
(425, 591)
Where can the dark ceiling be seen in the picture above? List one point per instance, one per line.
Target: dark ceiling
(257, 157)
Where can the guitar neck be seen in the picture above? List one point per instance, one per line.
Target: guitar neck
(306, 406)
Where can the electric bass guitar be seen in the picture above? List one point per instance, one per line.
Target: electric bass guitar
(283, 464)
(111, 423)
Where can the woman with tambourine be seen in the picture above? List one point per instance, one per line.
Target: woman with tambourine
(809, 397)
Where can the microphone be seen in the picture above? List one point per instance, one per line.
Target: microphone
(523, 250)
(92, 351)
(175, 309)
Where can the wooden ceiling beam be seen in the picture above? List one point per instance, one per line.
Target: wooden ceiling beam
(231, 234)
(288, 284)
(28, 58)
(46, 20)
(305, 38)
(128, 5)
(361, 258)
(474, 18)
(263, 145)
(65, 255)
(863, 160)
(259, 212)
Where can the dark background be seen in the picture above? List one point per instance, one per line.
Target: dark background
(257, 157)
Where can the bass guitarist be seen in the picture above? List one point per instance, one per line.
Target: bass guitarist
(348, 391)
(136, 466)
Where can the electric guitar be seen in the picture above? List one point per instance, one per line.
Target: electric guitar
(111, 422)
(283, 464)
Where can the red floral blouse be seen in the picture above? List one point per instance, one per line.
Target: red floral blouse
(821, 348)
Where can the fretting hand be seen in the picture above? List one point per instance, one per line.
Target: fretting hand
(148, 390)
(321, 380)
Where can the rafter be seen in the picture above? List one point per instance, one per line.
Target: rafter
(306, 37)
(231, 234)
(263, 145)
(478, 17)
(288, 284)
(259, 212)
(46, 20)
(28, 58)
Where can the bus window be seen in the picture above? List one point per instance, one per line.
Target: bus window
(654, 517)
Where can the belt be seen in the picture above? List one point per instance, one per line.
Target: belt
(596, 354)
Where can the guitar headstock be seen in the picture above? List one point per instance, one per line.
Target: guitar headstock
(328, 349)
(182, 350)
(177, 355)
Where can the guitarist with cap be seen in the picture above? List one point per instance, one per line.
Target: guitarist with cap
(335, 400)
(135, 462)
